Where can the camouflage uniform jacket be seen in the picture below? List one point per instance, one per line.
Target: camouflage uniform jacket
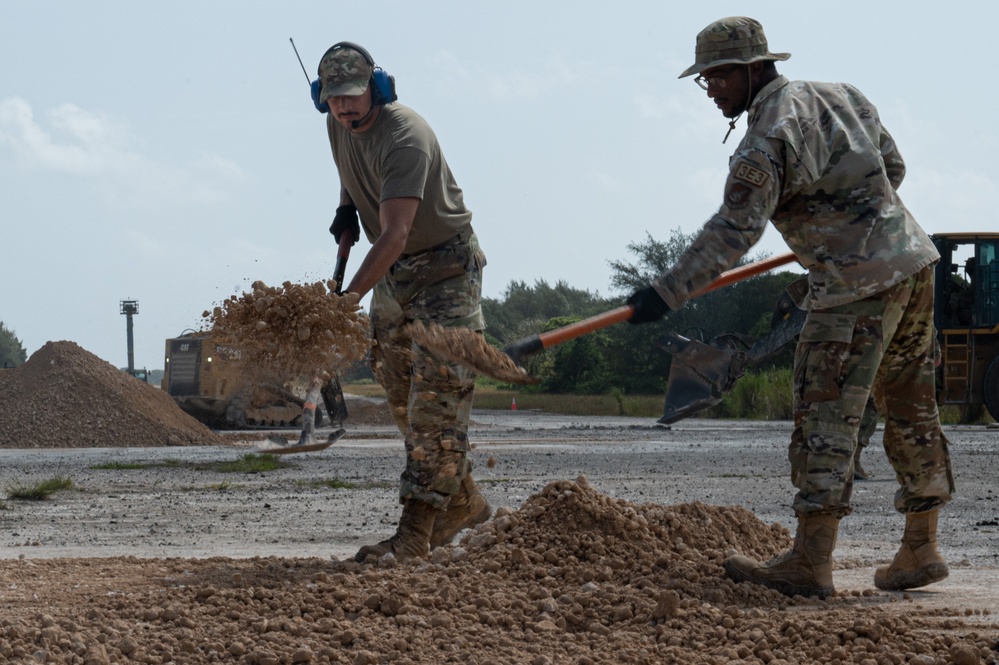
(817, 162)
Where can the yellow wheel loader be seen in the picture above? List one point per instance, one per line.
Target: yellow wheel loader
(212, 384)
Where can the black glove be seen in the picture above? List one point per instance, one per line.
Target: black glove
(346, 220)
(649, 306)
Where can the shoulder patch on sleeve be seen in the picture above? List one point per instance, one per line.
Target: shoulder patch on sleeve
(750, 174)
(737, 196)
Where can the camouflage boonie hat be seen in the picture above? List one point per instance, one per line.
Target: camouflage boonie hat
(731, 41)
(344, 71)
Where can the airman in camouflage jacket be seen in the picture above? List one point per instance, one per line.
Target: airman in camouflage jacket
(818, 163)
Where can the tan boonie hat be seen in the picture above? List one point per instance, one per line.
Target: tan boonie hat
(731, 41)
(344, 71)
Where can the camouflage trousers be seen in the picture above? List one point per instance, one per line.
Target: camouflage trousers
(868, 423)
(882, 345)
(430, 399)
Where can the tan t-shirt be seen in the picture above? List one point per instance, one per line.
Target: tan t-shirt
(399, 156)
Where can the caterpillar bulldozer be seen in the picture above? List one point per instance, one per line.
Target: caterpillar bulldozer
(966, 317)
(211, 383)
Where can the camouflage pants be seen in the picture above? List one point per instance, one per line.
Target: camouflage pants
(430, 399)
(882, 344)
(868, 423)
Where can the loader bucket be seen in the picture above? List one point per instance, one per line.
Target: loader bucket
(699, 375)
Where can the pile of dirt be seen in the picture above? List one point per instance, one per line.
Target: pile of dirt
(66, 397)
(573, 576)
(295, 329)
(367, 411)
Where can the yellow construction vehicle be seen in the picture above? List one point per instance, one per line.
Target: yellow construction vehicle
(967, 320)
(210, 383)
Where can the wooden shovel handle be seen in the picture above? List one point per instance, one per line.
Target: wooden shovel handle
(745, 272)
(342, 254)
(531, 345)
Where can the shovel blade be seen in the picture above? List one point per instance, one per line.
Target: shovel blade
(699, 375)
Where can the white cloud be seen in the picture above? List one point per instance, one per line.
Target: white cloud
(77, 142)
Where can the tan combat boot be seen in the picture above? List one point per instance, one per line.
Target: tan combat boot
(467, 509)
(412, 537)
(917, 563)
(806, 570)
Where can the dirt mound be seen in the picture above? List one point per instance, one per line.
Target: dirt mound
(66, 397)
(365, 411)
(573, 576)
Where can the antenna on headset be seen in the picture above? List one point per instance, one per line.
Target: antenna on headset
(300, 61)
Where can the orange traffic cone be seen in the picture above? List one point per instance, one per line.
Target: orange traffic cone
(513, 404)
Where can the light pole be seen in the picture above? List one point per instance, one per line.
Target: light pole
(130, 308)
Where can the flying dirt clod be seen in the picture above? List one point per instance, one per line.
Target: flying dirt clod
(469, 348)
(292, 329)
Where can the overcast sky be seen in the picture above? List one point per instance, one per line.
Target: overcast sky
(169, 152)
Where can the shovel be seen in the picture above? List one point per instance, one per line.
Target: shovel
(469, 348)
(332, 393)
(531, 345)
(702, 372)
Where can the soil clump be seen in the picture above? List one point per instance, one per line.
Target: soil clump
(296, 330)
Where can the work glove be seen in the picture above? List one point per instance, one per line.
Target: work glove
(346, 220)
(649, 306)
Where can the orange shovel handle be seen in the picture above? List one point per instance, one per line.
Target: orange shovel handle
(531, 345)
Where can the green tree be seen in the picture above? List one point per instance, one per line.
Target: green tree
(578, 366)
(12, 352)
(623, 358)
(525, 309)
(638, 361)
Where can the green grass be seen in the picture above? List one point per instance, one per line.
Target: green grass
(41, 491)
(119, 466)
(337, 484)
(758, 395)
(248, 463)
(251, 463)
(490, 397)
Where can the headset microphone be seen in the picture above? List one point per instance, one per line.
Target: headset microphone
(354, 124)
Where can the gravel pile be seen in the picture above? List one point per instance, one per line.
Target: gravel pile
(573, 576)
(66, 397)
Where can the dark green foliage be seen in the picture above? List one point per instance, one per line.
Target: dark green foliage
(12, 352)
(623, 358)
(578, 366)
(525, 309)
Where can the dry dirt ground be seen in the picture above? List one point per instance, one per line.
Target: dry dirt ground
(605, 547)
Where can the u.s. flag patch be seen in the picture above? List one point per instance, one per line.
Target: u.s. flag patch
(748, 173)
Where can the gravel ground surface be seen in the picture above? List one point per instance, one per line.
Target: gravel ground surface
(179, 513)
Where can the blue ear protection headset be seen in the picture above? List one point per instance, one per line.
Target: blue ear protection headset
(382, 84)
